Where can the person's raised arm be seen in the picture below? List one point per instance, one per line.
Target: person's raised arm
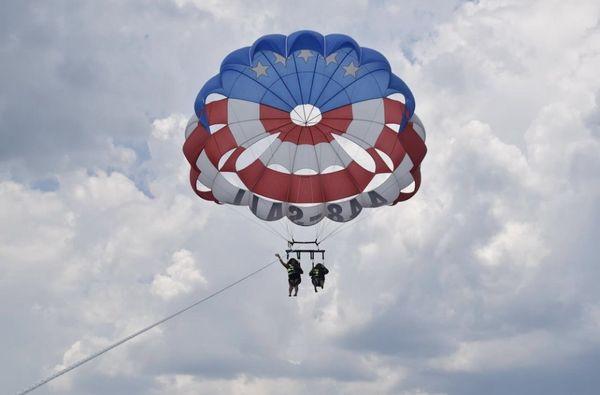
(281, 261)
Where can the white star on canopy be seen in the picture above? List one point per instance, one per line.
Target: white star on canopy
(259, 69)
(305, 54)
(331, 58)
(351, 69)
(279, 58)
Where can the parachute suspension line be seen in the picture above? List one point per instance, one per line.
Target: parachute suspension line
(140, 332)
(333, 228)
(349, 224)
(344, 226)
(282, 228)
(319, 228)
(326, 226)
(323, 225)
(339, 228)
(283, 225)
(290, 231)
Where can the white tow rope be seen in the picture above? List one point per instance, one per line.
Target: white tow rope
(136, 334)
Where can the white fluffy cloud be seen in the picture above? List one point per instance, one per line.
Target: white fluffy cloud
(181, 276)
(485, 282)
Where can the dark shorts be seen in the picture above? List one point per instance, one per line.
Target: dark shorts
(294, 281)
(318, 281)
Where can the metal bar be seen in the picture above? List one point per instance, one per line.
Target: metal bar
(304, 242)
(310, 252)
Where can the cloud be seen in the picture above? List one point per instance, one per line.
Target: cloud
(180, 278)
(518, 243)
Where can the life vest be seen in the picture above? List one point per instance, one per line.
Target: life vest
(318, 271)
(291, 270)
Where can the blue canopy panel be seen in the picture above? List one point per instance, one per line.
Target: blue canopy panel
(305, 68)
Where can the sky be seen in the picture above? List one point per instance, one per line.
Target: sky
(486, 282)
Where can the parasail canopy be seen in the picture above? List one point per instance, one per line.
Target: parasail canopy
(306, 127)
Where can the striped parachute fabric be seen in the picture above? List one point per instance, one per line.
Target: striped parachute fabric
(305, 126)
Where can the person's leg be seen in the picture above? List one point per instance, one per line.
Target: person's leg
(296, 290)
(290, 289)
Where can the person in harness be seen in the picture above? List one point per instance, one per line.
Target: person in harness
(294, 272)
(317, 275)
